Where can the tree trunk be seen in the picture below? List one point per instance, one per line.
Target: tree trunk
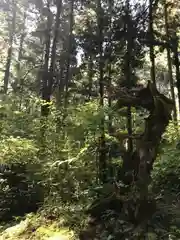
(136, 168)
(45, 91)
(10, 49)
(20, 80)
(68, 60)
(128, 72)
(160, 108)
(102, 143)
(151, 38)
(18, 67)
(53, 50)
(109, 68)
(169, 60)
(176, 61)
(110, 130)
(109, 48)
(90, 76)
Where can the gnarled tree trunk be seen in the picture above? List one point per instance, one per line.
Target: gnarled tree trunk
(137, 167)
(144, 155)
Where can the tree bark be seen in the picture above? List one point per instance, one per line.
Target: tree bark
(68, 60)
(138, 166)
(90, 76)
(109, 68)
(10, 49)
(128, 72)
(151, 37)
(176, 61)
(20, 80)
(54, 46)
(102, 144)
(169, 60)
(45, 91)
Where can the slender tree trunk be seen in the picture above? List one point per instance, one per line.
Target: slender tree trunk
(10, 49)
(151, 36)
(111, 4)
(102, 150)
(169, 61)
(176, 60)
(110, 130)
(53, 50)
(18, 68)
(128, 73)
(69, 50)
(20, 80)
(90, 76)
(109, 86)
(110, 119)
(45, 90)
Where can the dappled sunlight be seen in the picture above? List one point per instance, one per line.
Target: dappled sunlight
(28, 229)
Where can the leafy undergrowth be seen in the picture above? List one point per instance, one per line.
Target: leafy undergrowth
(37, 228)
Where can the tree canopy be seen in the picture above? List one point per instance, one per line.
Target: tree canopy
(90, 107)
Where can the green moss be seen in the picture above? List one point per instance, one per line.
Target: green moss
(37, 228)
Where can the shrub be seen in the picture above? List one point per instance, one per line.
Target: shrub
(20, 191)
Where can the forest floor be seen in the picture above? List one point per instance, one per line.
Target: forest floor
(37, 228)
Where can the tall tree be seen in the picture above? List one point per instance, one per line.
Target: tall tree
(90, 76)
(12, 27)
(128, 70)
(109, 62)
(151, 38)
(102, 148)
(20, 51)
(69, 53)
(169, 58)
(52, 69)
(175, 42)
(45, 88)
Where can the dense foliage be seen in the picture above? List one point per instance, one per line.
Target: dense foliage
(89, 115)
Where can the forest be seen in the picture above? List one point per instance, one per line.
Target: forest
(90, 119)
